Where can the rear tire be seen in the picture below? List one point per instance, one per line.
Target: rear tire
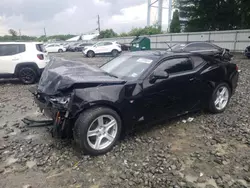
(90, 54)
(60, 51)
(89, 129)
(28, 75)
(115, 53)
(219, 101)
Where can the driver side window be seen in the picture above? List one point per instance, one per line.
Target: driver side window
(176, 65)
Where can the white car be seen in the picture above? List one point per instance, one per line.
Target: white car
(55, 48)
(103, 47)
(23, 60)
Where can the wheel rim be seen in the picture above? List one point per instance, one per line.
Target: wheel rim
(90, 54)
(115, 53)
(27, 75)
(222, 97)
(102, 132)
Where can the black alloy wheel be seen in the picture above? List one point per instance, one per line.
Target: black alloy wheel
(27, 75)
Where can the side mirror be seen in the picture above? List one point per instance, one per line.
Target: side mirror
(249, 37)
(158, 75)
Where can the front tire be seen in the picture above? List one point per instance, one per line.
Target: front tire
(115, 53)
(27, 75)
(60, 51)
(220, 98)
(90, 53)
(97, 130)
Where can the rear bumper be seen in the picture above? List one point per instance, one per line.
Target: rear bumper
(234, 81)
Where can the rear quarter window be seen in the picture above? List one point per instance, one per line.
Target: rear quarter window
(197, 61)
(40, 47)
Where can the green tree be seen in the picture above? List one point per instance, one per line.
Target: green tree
(12, 32)
(123, 35)
(205, 15)
(244, 11)
(42, 38)
(108, 33)
(175, 26)
(8, 38)
(151, 30)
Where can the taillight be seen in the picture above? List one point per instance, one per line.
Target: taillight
(236, 68)
(40, 56)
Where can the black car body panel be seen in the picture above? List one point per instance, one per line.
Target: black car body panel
(202, 48)
(247, 52)
(140, 99)
(60, 75)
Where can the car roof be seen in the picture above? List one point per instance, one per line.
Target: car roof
(196, 42)
(156, 53)
(165, 54)
(106, 41)
(189, 42)
(21, 42)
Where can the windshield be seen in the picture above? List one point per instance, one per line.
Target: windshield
(128, 67)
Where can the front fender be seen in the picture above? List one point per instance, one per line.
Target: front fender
(86, 98)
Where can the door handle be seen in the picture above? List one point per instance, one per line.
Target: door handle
(14, 59)
(192, 79)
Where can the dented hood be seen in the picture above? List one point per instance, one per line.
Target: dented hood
(60, 75)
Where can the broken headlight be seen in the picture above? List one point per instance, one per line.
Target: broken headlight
(64, 100)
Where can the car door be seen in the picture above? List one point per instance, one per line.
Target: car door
(174, 95)
(99, 48)
(55, 48)
(9, 57)
(108, 47)
(49, 48)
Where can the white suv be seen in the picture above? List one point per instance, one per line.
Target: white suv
(55, 48)
(103, 47)
(23, 60)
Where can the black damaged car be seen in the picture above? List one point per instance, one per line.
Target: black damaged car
(95, 105)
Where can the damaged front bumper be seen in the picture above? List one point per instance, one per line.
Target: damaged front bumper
(56, 108)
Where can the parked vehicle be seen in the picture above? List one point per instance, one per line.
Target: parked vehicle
(103, 47)
(55, 48)
(200, 47)
(80, 47)
(72, 47)
(23, 60)
(65, 45)
(97, 104)
(125, 47)
(247, 52)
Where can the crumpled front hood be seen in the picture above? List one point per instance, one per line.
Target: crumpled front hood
(60, 75)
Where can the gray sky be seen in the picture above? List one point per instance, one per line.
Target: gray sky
(70, 16)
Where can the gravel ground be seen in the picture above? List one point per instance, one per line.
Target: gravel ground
(198, 150)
